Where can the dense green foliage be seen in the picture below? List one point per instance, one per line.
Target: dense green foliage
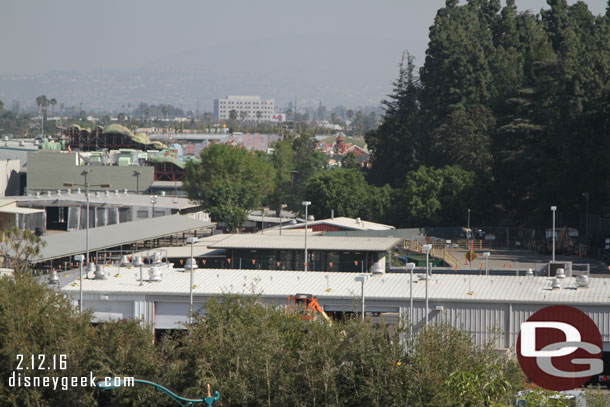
(229, 181)
(345, 191)
(521, 100)
(295, 160)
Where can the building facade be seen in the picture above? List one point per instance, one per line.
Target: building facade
(246, 107)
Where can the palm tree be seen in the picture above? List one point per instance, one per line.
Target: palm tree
(52, 102)
(42, 103)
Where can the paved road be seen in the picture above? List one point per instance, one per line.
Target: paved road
(524, 259)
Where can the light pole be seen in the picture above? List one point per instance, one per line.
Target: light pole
(79, 258)
(587, 231)
(86, 173)
(153, 201)
(191, 266)
(486, 255)
(553, 209)
(137, 175)
(468, 225)
(427, 248)
(362, 278)
(411, 267)
(306, 204)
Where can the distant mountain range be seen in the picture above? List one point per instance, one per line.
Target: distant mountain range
(355, 73)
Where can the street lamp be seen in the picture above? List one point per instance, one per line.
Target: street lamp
(137, 175)
(486, 255)
(86, 173)
(306, 204)
(553, 209)
(192, 266)
(587, 225)
(362, 278)
(411, 267)
(427, 248)
(153, 201)
(79, 258)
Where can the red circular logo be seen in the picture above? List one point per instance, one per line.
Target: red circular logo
(560, 348)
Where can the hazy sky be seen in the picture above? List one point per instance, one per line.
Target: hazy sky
(353, 45)
(41, 35)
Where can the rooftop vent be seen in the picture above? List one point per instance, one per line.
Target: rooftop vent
(556, 284)
(560, 273)
(162, 193)
(583, 281)
(189, 265)
(78, 190)
(37, 194)
(116, 192)
(59, 192)
(48, 193)
(99, 272)
(97, 194)
(68, 191)
(155, 274)
(125, 191)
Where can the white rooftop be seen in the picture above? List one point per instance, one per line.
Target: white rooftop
(284, 242)
(345, 223)
(212, 282)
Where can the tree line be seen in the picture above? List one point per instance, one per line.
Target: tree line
(511, 106)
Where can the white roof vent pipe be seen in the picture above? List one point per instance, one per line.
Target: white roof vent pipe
(560, 273)
(162, 193)
(78, 190)
(583, 281)
(125, 191)
(97, 194)
(556, 284)
(359, 221)
(154, 274)
(48, 193)
(107, 193)
(116, 192)
(59, 192)
(68, 191)
(99, 272)
(37, 194)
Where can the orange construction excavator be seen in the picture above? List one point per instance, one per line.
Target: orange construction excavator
(307, 307)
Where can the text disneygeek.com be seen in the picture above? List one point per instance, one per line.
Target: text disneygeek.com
(40, 363)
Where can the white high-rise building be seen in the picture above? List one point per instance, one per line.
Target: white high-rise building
(246, 107)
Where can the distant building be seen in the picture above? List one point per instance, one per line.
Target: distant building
(247, 108)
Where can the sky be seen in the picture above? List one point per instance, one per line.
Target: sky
(363, 36)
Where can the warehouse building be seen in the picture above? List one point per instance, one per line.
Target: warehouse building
(490, 308)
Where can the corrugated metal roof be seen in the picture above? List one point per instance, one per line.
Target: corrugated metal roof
(13, 208)
(346, 223)
(394, 287)
(199, 249)
(71, 243)
(113, 199)
(260, 241)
